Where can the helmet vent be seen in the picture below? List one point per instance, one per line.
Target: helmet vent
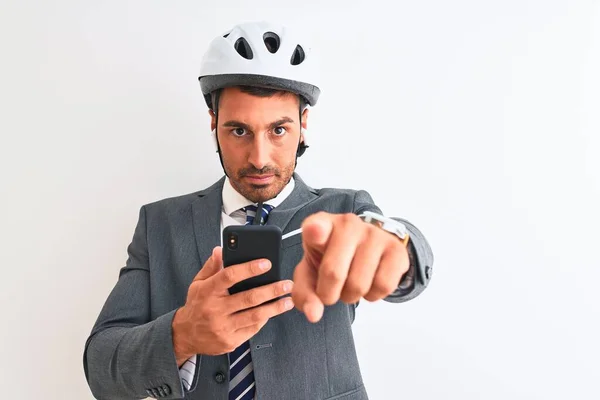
(227, 34)
(243, 48)
(271, 40)
(298, 55)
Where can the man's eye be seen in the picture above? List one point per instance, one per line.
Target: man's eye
(280, 130)
(239, 131)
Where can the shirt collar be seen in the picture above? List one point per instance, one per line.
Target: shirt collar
(233, 201)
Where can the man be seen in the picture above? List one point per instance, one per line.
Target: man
(170, 329)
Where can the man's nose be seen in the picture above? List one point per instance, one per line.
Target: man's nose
(259, 152)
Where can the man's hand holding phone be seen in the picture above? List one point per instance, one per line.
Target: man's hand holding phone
(214, 322)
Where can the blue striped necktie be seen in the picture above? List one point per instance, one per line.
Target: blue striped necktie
(241, 371)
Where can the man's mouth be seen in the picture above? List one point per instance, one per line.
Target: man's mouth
(259, 179)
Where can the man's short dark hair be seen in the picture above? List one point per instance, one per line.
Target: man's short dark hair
(255, 91)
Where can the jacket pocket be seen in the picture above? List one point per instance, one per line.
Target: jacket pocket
(355, 394)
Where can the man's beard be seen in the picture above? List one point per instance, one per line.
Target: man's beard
(257, 192)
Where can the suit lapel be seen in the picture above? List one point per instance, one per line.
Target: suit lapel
(206, 215)
(300, 197)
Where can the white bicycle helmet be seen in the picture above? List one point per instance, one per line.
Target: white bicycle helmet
(259, 54)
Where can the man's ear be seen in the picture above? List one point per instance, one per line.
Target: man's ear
(213, 120)
(304, 121)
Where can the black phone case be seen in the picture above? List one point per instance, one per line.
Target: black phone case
(253, 242)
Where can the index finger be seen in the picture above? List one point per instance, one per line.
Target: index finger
(304, 292)
(233, 274)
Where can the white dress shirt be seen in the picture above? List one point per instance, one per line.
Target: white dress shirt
(231, 214)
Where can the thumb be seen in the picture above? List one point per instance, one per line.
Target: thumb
(213, 265)
(316, 231)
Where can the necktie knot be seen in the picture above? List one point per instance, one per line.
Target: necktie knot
(252, 211)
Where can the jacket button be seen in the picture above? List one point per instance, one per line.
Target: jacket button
(220, 377)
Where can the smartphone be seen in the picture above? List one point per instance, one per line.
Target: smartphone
(243, 243)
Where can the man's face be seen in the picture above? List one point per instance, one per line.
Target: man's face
(258, 137)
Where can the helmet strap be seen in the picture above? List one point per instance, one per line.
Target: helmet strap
(215, 106)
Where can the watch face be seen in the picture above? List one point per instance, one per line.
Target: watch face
(395, 227)
(385, 223)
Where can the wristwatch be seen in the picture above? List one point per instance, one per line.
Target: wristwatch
(387, 224)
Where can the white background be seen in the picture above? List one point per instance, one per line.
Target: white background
(478, 121)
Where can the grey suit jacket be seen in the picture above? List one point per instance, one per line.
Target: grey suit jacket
(129, 353)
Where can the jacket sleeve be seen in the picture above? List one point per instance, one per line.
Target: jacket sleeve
(128, 355)
(417, 278)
